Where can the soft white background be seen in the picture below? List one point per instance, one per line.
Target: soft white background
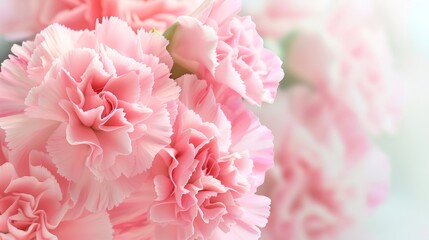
(406, 213)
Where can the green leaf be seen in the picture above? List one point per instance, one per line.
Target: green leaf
(169, 33)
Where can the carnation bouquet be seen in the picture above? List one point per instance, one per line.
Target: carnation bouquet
(124, 119)
(135, 128)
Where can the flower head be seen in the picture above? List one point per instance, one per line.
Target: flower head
(97, 101)
(227, 51)
(205, 181)
(34, 204)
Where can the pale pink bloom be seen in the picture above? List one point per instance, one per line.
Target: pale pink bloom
(344, 55)
(226, 50)
(205, 182)
(34, 204)
(356, 71)
(96, 101)
(24, 18)
(328, 174)
(373, 88)
(314, 57)
(150, 14)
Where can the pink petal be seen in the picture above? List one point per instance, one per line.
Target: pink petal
(93, 226)
(156, 45)
(8, 174)
(45, 54)
(125, 87)
(261, 151)
(69, 158)
(19, 127)
(256, 214)
(75, 18)
(114, 144)
(219, 11)
(107, 33)
(89, 193)
(227, 75)
(165, 212)
(143, 153)
(164, 88)
(163, 187)
(14, 86)
(197, 95)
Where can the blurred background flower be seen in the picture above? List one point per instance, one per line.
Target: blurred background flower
(394, 32)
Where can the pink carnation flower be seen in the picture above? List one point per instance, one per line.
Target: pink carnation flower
(205, 182)
(24, 18)
(328, 174)
(96, 101)
(34, 204)
(227, 51)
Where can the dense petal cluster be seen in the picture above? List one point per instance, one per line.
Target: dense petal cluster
(107, 131)
(204, 182)
(93, 96)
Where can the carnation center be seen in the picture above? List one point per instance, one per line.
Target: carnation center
(101, 110)
(19, 210)
(204, 179)
(214, 182)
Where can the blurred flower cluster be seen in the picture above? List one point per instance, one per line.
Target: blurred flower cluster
(340, 89)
